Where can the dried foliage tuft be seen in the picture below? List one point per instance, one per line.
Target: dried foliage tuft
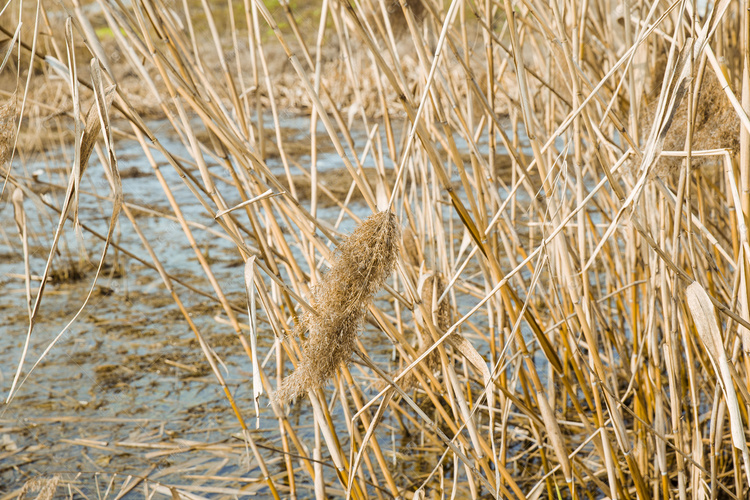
(361, 265)
(46, 486)
(7, 129)
(716, 126)
(397, 18)
(410, 246)
(431, 287)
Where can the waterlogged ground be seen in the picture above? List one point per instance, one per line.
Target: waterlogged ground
(126, 393)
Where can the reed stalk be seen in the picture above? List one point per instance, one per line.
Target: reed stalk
(505, 254)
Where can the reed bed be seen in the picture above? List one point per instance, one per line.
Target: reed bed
(549, 230)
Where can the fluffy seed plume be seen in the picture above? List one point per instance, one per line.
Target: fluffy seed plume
(361, 265)
(7, 128)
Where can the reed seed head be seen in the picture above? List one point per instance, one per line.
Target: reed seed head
(46, 486)
(716, 126)
(398, 19)
(430, 288)
(7, 129)
(411, 250)
(361, 266)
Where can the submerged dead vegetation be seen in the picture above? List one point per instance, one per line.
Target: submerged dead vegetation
(545, 225)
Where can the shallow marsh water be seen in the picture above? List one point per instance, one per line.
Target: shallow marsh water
(126, 389)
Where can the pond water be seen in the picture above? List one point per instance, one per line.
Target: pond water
(127, 389)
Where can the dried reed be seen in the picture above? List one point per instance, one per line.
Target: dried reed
(604, 373)
(362, 263)
(430, 287)
(45, 487)
(410, 247)
(8, 116)
(715, 126)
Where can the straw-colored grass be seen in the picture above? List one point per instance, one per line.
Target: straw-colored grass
(44, 487)
(544, 244)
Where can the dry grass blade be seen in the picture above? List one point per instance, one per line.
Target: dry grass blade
(702, 311)
(258, 198)
(252, 314)
(20, 215)
(12, 43)
(81, 147)
(361, 265)
(363, 445)
(97, 120)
